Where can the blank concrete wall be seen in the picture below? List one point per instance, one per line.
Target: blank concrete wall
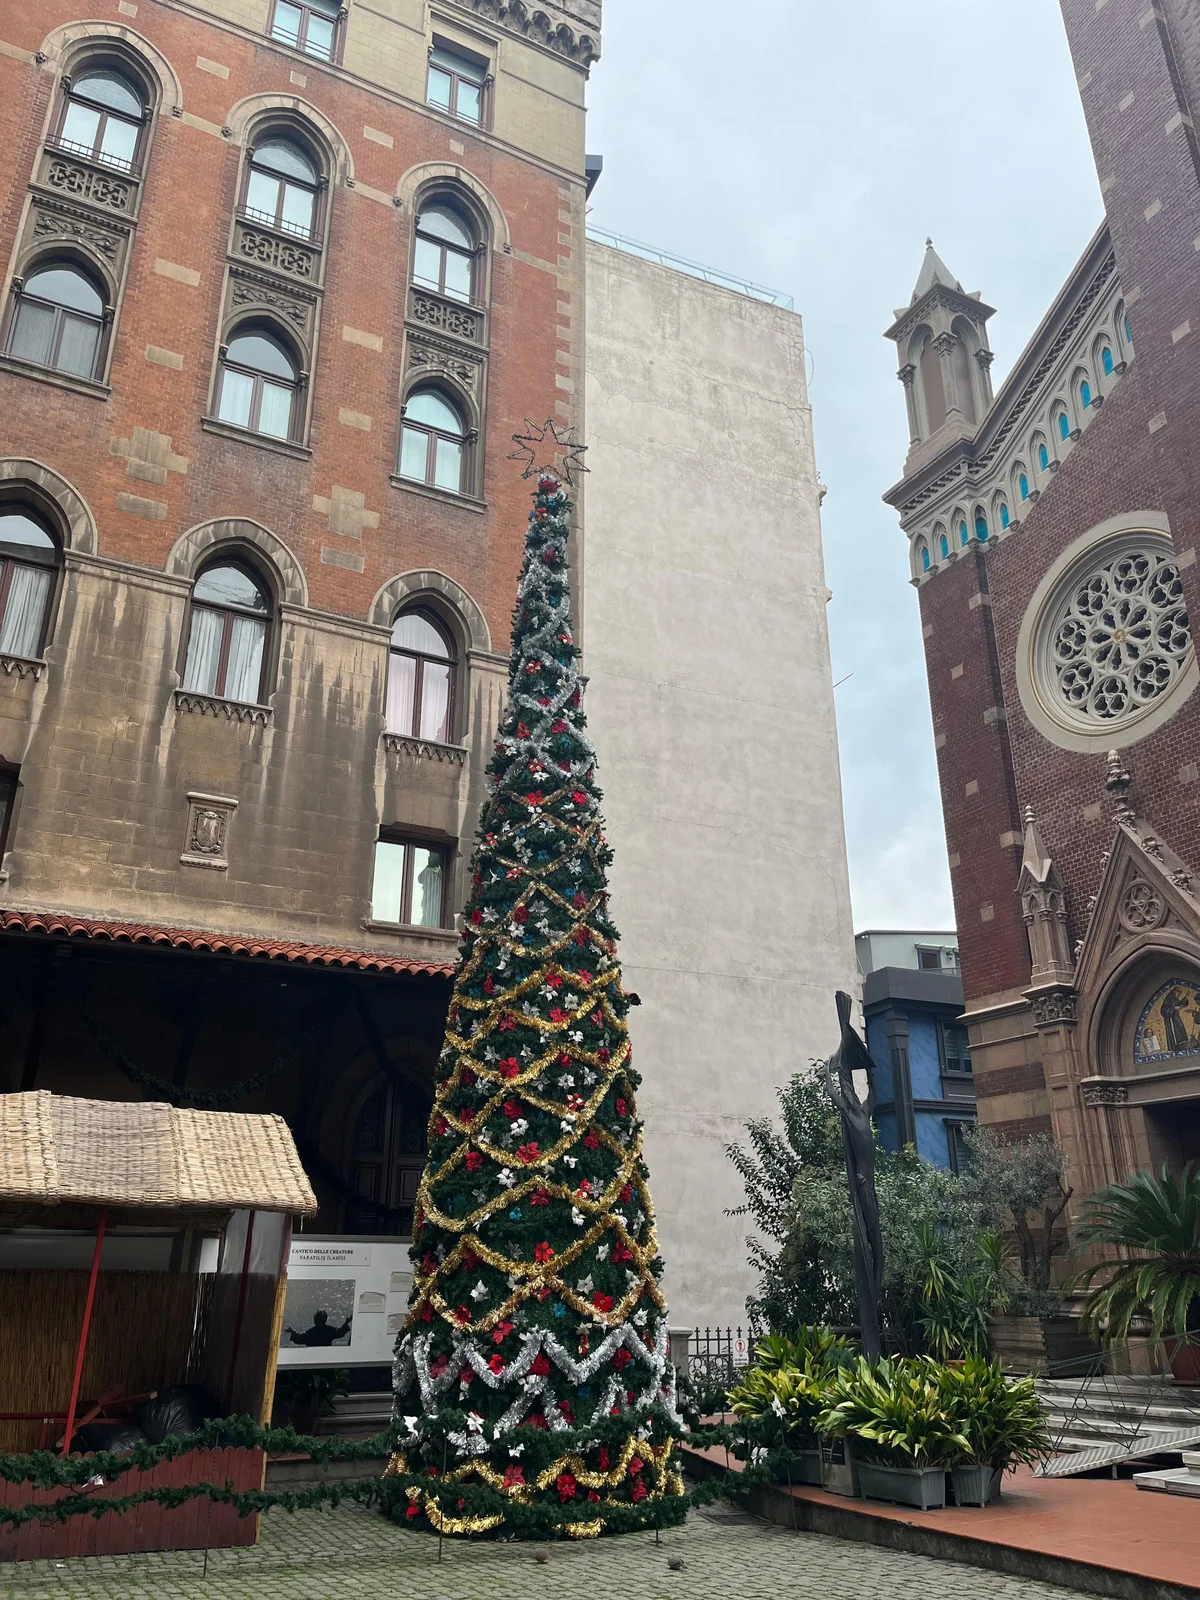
(711, 703)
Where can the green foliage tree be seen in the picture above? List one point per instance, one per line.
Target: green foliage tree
(1149, 1229)
(536, 1304)
(1019, 1186)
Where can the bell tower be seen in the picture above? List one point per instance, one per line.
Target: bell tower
(945, 359)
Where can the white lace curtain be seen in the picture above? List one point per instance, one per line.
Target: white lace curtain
(25, 610)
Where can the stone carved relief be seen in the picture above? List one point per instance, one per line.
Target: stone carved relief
(539, 26)
(424, 749)
(207, 840)
(21, 667)
(431, 311)
(82, 182)
(429, 359)
(1051, 1009)
(246, 291)
(54, 225)
(1142, 907)
(269, 250)
(206, 705)
(1105, 1094)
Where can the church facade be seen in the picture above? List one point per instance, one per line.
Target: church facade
(1052, 527)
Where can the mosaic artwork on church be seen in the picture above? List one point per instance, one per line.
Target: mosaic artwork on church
(1170, 1024)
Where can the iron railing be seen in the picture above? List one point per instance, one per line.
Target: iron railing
(693, 269)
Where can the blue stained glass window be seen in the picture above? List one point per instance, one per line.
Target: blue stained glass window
(1044, 457)
(1107, 362)
(1085, 395)
(945, 547)
(962, 533)
(1064, 429)
(1128, 332)
(981, 529)
(924, 560)
(1024, 487)
(1004, 516)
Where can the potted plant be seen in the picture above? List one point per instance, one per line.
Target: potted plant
(1002, 1421)
(905, 1438)
(1149, 1228)
(304, 1394)
(782, 1395)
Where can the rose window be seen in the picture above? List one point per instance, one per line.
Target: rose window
(1119, 639)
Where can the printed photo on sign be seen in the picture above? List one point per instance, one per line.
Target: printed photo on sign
(317, 1313)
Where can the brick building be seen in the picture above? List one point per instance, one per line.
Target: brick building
(282, 279)
(1053, 529)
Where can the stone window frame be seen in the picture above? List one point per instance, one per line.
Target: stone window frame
(471, 483)
(96, 55)
(457, 197)
(290, 129)
(1092, 548)
(251, 321)
(450, 625)
(12, 498)
(28, 486)
(336, 54)
(50, 256)
(237, 551)
(482, 53)
(421, 839)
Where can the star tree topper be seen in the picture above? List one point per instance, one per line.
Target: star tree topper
(530, 444)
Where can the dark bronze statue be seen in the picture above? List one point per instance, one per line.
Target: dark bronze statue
(858, 1141)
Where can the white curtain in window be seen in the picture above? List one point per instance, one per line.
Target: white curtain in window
(401, 689)
(435, 702)
(427, 888)
(243, 676)
(21, 624)
(204, 651)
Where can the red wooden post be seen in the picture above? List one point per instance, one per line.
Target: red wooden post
(241, 1311)
(83, 1332)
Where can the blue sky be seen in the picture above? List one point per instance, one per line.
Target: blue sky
(812, 149)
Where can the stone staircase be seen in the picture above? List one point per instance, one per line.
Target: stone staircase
(1102, 1421)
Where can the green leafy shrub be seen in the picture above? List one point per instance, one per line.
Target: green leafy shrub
(783, 1393)
(1003, 1422)
(897, 1412)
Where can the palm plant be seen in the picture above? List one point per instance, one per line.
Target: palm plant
(958, 1306)
(1154, 1222)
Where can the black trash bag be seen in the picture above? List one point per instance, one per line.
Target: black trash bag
(172, 1412)
(203, 1402)
(119, 1437)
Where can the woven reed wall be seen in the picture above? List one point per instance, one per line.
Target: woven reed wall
(215, 1322)
(140, 1339)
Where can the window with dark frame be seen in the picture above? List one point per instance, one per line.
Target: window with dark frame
(257, 385)
(458, 84)
(8, 796)
(103, 114)
(929, 960)
(956, 1050)
(58, 320)
(28, 558)
(432, 441)
(227, 634)
(444, 253)
(957, 1147)
(281, 186)
(410, 883)
(307, 25)
(420, 691)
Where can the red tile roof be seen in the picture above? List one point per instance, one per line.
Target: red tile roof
(59, 924)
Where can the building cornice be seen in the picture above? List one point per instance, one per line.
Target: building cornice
(578, 39)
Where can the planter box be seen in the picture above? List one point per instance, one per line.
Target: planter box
(1044, 1345)
(922, 1487)
(976, 1486)
(839, 1470)
(1184, 1356)
(198, 1524)
(806, 1468)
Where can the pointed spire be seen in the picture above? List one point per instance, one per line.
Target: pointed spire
(934, 271)
(1036, 858)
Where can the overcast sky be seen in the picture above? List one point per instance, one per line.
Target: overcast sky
(812, 148)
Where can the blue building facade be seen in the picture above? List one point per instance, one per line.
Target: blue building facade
(924, 1088)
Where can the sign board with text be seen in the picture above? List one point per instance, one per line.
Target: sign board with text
(346, 1300)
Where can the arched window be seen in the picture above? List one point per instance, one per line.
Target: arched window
(102, 118)
(57, 321)
(28, 557)
(945, 547)
(1085, 394)
(962, 533)
(420, 692)
(1005, 519)
(444, 253)
(310, 26)
(924, 558)
(1106, 361)
(981, 527)
(281, 187)
(1064, 427)
(227, 635)
(1043, 458)
(1023, 483)
(432, 441)
(257, 385)
(1128, 333)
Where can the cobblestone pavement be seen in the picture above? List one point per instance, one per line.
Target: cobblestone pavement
(352, 1552)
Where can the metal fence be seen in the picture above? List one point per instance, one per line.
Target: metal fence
(693, 269)
(715, 1356)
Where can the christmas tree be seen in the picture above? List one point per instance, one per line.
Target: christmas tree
(534, 1358)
